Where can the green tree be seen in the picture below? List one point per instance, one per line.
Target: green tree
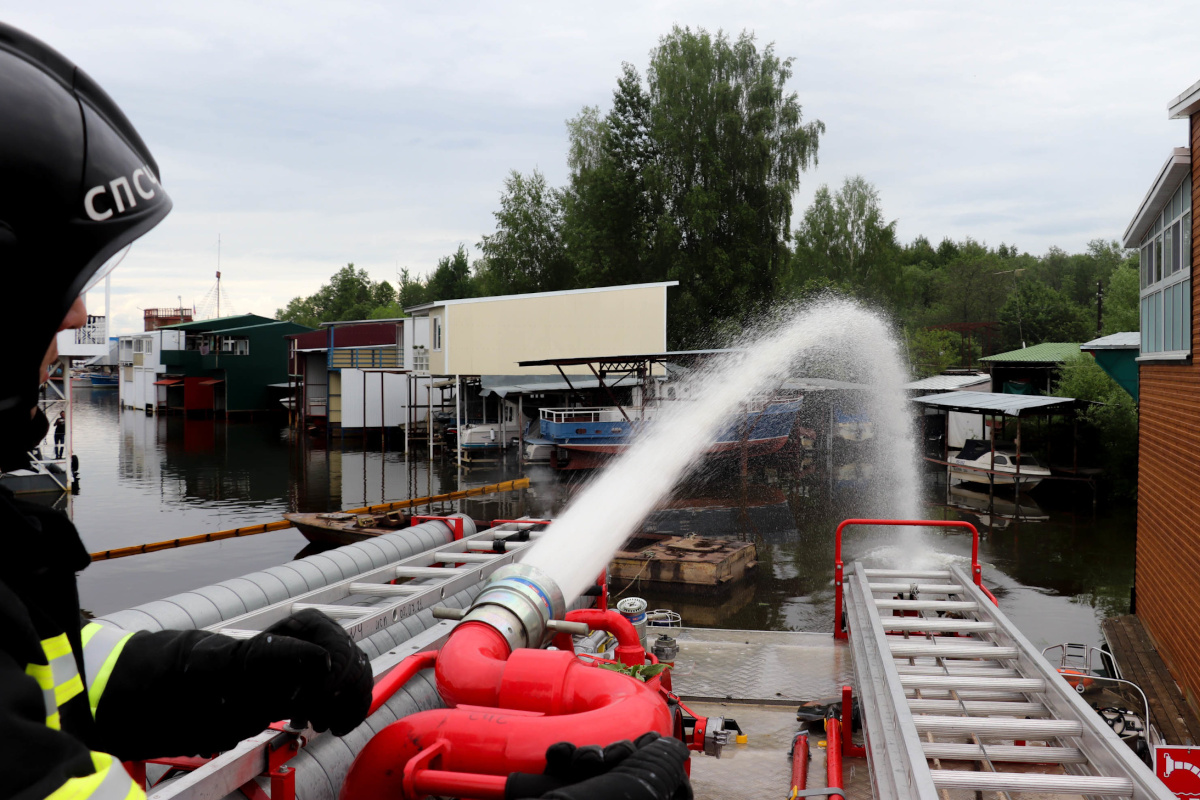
(970, 285)
(1108, 423)
(350, 294)
(452, 278)
(844, 238)
(411, 291)
(730, 144)
(931, 351)
(1122, 301)
(526, 252)
(1036, 313)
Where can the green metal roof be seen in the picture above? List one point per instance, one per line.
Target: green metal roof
(1044, 353)
(293, 327)
(220, 323)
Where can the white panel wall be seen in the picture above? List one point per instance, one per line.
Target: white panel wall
(393, 399)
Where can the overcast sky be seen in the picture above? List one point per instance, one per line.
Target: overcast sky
(308, 135)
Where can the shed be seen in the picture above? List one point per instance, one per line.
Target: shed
(1117, 354)
(1030, 370)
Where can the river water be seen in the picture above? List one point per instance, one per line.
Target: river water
(1057, 568)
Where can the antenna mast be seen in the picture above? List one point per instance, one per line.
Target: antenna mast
(218, 276)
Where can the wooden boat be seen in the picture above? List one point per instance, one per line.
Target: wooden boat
(339, 527)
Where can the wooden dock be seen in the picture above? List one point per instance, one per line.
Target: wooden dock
(1140, 662)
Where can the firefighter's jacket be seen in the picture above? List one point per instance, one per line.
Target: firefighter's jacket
(77, 697)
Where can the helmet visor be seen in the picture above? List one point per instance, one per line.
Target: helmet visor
(105, 268)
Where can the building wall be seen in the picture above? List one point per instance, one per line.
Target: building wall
(489, 338)
(437, 355)
(1168, 547)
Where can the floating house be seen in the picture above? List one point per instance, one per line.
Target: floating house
(209, 367)
(1168, 559)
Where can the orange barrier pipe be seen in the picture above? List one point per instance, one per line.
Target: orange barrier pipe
(799, 764)
(401, 674)
(282, 524)
(833, 754)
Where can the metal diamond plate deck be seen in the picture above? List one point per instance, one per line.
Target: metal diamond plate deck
(770, 666)
(760, 768)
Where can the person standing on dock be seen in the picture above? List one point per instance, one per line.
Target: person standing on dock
(60, 434)
(76, 697)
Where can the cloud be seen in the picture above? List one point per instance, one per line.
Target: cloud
(308, 135)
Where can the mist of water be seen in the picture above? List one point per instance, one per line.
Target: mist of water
(833, 338)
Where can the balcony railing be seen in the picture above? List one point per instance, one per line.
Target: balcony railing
(366, 358)
(94, 332)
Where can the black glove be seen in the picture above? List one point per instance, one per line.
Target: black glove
(650, 769)
(322, 674)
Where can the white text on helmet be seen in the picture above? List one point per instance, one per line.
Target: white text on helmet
(116, 185)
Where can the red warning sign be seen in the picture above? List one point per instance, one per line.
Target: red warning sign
(1178, 766)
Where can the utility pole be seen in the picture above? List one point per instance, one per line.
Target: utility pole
(1099, 308)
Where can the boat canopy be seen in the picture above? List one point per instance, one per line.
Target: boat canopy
(1012, 405)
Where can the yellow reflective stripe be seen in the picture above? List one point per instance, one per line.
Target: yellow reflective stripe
(65, 691)
(56, 647)
(89, 630)
(110, 781)
(42, 673)
(54, 722)
(99, 681)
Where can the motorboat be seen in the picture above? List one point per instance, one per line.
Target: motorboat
(979, 463)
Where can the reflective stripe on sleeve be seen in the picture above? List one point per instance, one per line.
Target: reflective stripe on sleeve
(102, 646)
(58, 679)
(110, 781)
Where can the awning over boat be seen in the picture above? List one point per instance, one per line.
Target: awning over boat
(503, 385)
(168, 382)
(1012, 405)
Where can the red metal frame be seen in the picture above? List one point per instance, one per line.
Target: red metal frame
(454, 523)
(399, 675)
(849, 748)
(839, 631)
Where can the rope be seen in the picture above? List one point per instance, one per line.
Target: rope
(649, 556)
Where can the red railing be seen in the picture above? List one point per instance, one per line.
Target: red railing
(839, 629)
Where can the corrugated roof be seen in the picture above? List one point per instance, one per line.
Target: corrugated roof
(529, 384)
(459, 301)
(948, 383)
(1009, 404)
(1126, 340)
(1044, 353)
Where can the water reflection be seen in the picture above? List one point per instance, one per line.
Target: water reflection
(1056, 568)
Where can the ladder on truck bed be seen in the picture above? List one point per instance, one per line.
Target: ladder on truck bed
(428, 578)
(954, 697)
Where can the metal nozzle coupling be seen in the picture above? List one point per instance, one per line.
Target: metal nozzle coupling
(523, 603)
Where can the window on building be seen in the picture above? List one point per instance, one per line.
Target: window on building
(437, 333)
(1166, 277)
(235, 345)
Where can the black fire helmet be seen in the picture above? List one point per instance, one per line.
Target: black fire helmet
(77, 186)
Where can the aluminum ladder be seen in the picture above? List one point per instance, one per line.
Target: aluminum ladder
(954, 697)
(428, 578)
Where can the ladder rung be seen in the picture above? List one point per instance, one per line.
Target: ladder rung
(385, 589)
(966, 694)
(966, 669)
(984, 707)
(904, 573)
(969, 682)
(1030, 782)
(992, 726)
(928, 588)
(936, 625)
(460, 557)
(919, 649)
(427, 572)
(337, 612)
(1004, 753)
(927, 605)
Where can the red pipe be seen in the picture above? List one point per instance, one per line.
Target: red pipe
(630, 650)
(976, 570)
(799, 764)
(401, 674)
(833, 754)
(510, 707)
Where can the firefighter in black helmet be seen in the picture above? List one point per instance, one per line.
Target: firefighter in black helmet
(77, 187)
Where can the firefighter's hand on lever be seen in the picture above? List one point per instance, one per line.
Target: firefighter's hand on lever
(650, 769)
(332, 676)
